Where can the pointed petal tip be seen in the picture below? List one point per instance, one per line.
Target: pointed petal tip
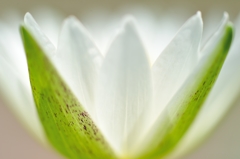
(129, 22)
(71, 19)
(224, 22)
(198, 17)
(27, 16)
(199, 14)
(27, 13)
(226, 15)
(195, 21)
(225, 18)
(32, 26)
(29, 21)
(73, 23)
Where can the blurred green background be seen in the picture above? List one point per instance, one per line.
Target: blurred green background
(81, 6)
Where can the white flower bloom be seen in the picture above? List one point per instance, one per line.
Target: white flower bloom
(136, 99)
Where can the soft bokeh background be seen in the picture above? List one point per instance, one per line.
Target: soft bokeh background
(15, 141)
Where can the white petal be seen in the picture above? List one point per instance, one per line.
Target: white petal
(18, 96)
(13, 55)
(38, 34)
(50, 21)
(15, 85)
(175, 63)
(124, 88)
(221, 98)
(214, 38)
(78, 61)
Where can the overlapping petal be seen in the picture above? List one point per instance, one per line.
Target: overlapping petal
(180, 113)
(175, 63)
(78, 61)
(124, 90)
(223, 95)
(39, 35)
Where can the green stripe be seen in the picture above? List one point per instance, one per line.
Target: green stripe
(67, 125)
(183, 109)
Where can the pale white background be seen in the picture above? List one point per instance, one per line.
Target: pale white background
(16, 143)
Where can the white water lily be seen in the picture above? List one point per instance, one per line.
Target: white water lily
(138, 107)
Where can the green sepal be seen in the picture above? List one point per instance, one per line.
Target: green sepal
(67, 125)
(180, 113)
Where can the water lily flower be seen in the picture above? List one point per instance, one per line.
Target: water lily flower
(121, 105)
